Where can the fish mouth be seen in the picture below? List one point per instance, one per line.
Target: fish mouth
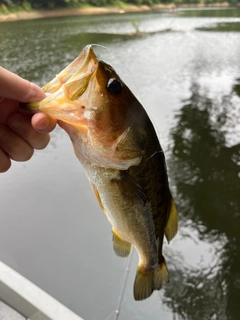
(63, 92)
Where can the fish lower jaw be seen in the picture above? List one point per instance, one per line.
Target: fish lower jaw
(73, 128)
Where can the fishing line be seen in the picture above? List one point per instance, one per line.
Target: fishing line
(121, 296)
(110, 315)
(99, 45)
(123, 289)
(168, 29)
(124, 64)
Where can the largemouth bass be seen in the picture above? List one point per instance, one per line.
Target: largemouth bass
(117, 145)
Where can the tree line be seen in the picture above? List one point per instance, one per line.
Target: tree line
(51, 4)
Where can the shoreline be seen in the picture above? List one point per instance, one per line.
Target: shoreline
(40, 14)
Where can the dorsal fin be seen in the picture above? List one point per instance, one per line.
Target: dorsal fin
(172, 223)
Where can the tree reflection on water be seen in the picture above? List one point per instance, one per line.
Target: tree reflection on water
(205, 167)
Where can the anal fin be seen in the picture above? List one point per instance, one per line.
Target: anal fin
(121, 247)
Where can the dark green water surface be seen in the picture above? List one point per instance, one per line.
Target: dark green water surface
(185, 69)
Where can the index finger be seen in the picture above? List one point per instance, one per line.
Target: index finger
(17, 88)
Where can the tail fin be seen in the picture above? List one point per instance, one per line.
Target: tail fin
(148, 281)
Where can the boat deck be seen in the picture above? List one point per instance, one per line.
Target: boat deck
(20, 299)
(8, 313)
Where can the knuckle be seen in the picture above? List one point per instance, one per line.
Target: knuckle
(28, 92)
(3, 133)
(42, 142)
(13, 146)
(5, 136)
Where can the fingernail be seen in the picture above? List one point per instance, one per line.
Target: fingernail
(43, 124)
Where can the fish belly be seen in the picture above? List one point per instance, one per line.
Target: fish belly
(132, 224)
(130, 218)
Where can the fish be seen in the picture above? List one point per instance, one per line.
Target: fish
(117, 145)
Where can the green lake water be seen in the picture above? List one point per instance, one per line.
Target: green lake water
(185, 69)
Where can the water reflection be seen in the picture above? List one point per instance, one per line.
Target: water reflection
(236, 87)
(50, 195)
(107, 37)
(206, 171)
(223, 27)
(210, 12)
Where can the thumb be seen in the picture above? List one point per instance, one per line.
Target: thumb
(17, 88)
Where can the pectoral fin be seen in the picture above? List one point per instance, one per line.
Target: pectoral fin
(121, 247)
(172, 223)
(134, 190)
(132, 144)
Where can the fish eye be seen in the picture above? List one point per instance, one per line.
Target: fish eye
(114, 86)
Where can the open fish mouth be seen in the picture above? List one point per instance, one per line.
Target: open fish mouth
(76, 70)
(63, 92)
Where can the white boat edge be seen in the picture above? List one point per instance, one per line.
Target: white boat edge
(29, 300)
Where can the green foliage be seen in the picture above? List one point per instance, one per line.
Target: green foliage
(195, 1)
(6, 5)
(234, 2)
(75, 3)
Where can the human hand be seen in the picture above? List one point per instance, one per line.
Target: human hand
(20, 132)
